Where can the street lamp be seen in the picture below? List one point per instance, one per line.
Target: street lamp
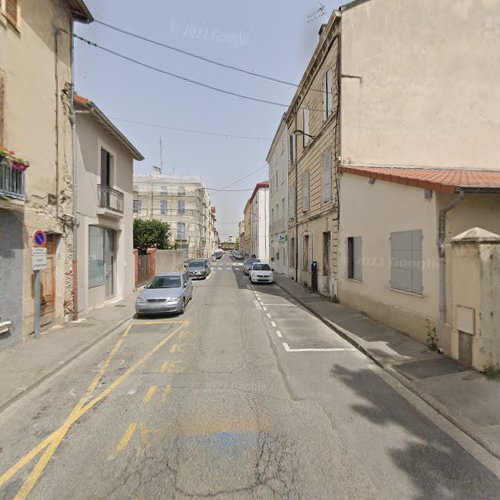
(295, 133)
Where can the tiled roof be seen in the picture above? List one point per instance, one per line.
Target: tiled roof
(79, 10)
(439, 180)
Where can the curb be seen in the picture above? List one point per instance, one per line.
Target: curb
(408, 384)
(63, 364)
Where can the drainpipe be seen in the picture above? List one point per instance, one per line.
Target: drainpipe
(296, 250)
(442, 265)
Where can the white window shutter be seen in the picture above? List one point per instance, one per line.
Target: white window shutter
(305, 192)
(327, 176)
(305, 115)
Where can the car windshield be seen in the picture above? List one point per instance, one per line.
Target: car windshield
(196, 263)
(251, 261)
(261, 267)
(165, 282)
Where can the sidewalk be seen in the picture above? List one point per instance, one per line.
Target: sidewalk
(466, 398)
(26, 365)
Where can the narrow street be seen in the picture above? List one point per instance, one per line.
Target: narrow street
(246, 395)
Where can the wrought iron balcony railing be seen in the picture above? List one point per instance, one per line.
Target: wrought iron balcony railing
(110, 198)
(11, 181)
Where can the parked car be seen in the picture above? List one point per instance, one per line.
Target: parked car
(165, 293)
(261, 273)
(249, 263)
(198, 269)
(218, 254)
(238, 256)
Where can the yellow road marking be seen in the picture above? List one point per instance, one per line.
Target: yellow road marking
(180, 348)
(172, 367)
(158, 322)
(125, 440)
(54, 440)
(185, 334)
(149, 395)
(166, 392)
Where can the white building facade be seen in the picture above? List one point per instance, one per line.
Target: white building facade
(259, 222)
(104, 180)
(181, 202)
(277, 158)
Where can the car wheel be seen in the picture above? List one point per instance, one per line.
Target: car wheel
(183, 308)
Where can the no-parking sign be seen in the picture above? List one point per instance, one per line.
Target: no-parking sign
(39, 238)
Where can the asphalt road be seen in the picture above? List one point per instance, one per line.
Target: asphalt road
(244, 396)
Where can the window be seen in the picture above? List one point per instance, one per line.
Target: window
(181, 191)
(306, 250)
(96, 256)
(291, 203)
(181, 230)
(12, 11)
(292, 148)
(137, 206)
(327, 176)
(105, 168)
(406, 261)
(181, 207)
(328, 97)
(305, 192)
(354, 260)
(305, 117)
(163, 207)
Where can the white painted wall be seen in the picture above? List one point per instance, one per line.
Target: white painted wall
(259, 224)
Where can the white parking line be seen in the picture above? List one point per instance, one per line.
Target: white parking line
(279, 334)
(284, 305)
(333, 349)
(268, 315)
(257, 306)
(265, 308)
(273, 324)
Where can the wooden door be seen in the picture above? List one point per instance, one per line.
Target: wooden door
(48, 282)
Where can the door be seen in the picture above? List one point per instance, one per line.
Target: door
(326, 260)
(48, 282)
(109, 262)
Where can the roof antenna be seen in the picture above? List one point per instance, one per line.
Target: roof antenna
(317, 14)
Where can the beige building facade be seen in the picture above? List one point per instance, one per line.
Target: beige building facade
(104, 180)
(418, 161)
(313, 127)
(36, 78)
(183, 203)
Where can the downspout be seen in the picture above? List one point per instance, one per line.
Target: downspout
(442, 264)
(296, 202)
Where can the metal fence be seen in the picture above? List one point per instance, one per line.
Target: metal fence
(110, 198)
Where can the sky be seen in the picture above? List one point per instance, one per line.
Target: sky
(273, 38)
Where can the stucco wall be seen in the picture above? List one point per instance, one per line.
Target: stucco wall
(169, 260)
(428, 91)
(91, 138)
(37, 128)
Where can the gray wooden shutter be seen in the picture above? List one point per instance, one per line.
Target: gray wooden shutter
(357, 258)
(400, 259)
(305, 192)
(327, 176)
(416, 258)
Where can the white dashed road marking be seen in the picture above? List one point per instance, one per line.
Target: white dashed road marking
(332, 349)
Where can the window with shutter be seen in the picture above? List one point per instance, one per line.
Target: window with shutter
(406, 261)
(328, 97)
(305, 117)
(12, 11)
(163, 207)
(305, 192)
(327, 177)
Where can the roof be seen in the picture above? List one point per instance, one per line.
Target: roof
(439, 180)
(259, 185)
(79, 11)
(84, 104)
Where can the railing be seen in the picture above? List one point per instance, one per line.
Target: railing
(11, 181)
(110, 198)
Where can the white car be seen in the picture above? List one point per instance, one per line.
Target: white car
(261, 273)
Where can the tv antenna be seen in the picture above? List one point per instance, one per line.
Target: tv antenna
(317, 14)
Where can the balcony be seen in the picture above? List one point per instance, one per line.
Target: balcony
(11, 181)
(110, 200)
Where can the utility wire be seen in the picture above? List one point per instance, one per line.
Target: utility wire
(239, 180)
(192, 54)
(192, 131)
(174, 75)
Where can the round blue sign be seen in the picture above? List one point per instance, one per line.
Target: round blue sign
(39, 238)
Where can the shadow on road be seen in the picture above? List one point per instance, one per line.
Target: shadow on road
(436, 464)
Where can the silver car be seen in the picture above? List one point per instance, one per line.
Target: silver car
(165, 293)
(248, 264)
(198, 269)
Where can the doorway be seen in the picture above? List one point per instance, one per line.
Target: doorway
(48, 283)
(109, 262)
(326, 260)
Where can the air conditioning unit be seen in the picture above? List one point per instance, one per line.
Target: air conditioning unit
(5, 327)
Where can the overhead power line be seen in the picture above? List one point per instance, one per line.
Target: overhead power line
(192, 131)
(239, 180)
(174, 75)
(196, 56)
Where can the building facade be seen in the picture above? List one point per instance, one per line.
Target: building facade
(259, 222)
(313, 124)
(403, 205)
(278, 158)
(36, 79)
(246, 226)
(104, 174)
(181, 202)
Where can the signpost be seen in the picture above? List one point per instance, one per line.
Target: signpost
(38, 263)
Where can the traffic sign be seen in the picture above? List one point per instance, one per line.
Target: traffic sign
(39, 259)
(39, 238)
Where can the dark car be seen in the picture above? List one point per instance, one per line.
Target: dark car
(198, 269)
(249, 263)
